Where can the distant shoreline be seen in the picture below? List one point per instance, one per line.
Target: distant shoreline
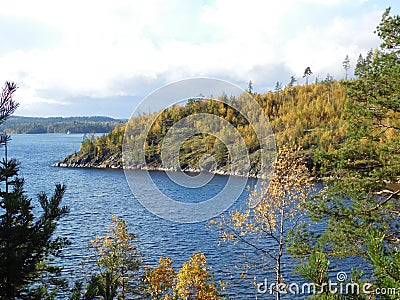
(62, 125)
(60, 133)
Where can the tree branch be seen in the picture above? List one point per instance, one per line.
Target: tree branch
(238, 236)
(380, 124)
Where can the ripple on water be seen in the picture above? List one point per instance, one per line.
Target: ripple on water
(94, 195)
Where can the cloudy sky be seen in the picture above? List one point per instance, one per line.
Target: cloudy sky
(103, 57)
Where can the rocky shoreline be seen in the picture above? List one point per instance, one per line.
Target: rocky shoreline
(114, 161)
(79, 160)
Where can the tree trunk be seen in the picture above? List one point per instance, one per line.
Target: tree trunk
(280, 253)
(278, 279)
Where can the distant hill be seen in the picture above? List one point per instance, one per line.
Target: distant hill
(96, 124)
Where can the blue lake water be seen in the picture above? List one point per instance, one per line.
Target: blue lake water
(94, 195)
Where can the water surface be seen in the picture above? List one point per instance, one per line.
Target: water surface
(94, 195)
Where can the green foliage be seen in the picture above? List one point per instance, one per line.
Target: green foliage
(368, 158)
(118, 262)
(346, 65)
(361, 195)
(250, 87)
(386, 260)
(26, 241)
(315, 270)
(105, 144)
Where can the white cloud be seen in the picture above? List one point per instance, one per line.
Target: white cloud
(102, 45)
(324, 48)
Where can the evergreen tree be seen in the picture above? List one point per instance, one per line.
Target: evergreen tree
(329, 83)
(26, 240)
(278, 90)
(292, 81)
(291, 85)
(386, 260)
(307, 73)
(346, 65)
(250, 87)
(361, 197)
(359, 66)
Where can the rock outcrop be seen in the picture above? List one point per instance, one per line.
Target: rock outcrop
(86, 160)
(114, 161)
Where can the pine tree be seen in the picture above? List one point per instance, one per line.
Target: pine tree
(361, 197)
(346, 65)
(292, 81)
(329, 83)
(307, 73)
(386, 261)
(26, 240)
(250, 87)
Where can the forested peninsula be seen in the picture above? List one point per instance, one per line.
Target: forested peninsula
(308, 115)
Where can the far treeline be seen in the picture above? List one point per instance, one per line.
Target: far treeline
(32, 125)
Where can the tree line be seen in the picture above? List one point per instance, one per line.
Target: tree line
(34, 125)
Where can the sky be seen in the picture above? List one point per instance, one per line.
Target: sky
(84, 58)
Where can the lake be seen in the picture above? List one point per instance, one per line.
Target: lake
(94, 195)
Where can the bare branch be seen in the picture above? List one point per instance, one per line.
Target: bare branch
(392, 194)
(242, 239)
